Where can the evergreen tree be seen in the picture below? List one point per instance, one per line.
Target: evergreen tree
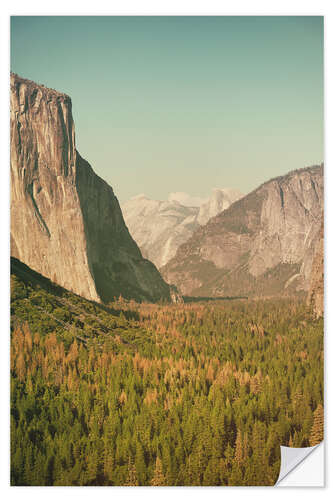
(79, 404)
(132, 479)
(239, 452)
(317, 431)
(158, 477)
(140, 463)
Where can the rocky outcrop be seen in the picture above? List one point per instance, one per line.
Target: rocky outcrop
(315, 297)
(263, 244)
(66, 222)
(160, 227)
(176, 297)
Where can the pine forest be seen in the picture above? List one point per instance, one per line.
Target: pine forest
(197, 393)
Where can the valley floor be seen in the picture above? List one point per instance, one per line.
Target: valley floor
(139, 394)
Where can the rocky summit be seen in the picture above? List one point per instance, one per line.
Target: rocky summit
(66, 222)
(160, 227)
(262, 245)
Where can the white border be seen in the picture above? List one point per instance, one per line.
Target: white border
(144, 7)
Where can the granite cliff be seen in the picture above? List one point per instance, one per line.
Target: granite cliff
(316, 291)
(262, 245)
(66, 222)
(160, 227)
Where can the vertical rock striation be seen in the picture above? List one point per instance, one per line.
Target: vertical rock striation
(316, 291)
(66, 222)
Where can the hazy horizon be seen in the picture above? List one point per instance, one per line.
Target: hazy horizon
(185, 199)
(186, 104)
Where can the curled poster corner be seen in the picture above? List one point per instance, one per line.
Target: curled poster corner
(291, 458)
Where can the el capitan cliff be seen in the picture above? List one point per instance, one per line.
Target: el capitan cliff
(66, 222)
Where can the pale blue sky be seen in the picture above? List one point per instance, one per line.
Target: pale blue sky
(167, 104)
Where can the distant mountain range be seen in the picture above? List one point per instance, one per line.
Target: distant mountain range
(160, 227)
(66, 223)
(262, 245)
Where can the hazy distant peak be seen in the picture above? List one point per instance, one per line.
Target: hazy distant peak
(186, 199)
(220, 200)
(160, 227)
(228, 191)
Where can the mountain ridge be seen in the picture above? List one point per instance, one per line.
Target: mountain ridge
(271, 230)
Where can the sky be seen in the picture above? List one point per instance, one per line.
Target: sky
(183, 104)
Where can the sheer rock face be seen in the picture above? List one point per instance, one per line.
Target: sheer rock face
(66, 222)
(160, 227)
(263, 244)
(316, 291)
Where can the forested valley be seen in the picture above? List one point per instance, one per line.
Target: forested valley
(198, 393)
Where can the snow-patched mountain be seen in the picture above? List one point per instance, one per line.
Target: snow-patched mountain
(160, 227)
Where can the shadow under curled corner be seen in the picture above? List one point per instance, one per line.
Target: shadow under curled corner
(294, 468)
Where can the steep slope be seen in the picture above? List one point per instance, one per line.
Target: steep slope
(263, 244)
(50, 308)
(66, 222)
(160, 227)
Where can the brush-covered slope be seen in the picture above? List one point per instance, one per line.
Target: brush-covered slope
(47, 308)
(66, 222)
(263, 244)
